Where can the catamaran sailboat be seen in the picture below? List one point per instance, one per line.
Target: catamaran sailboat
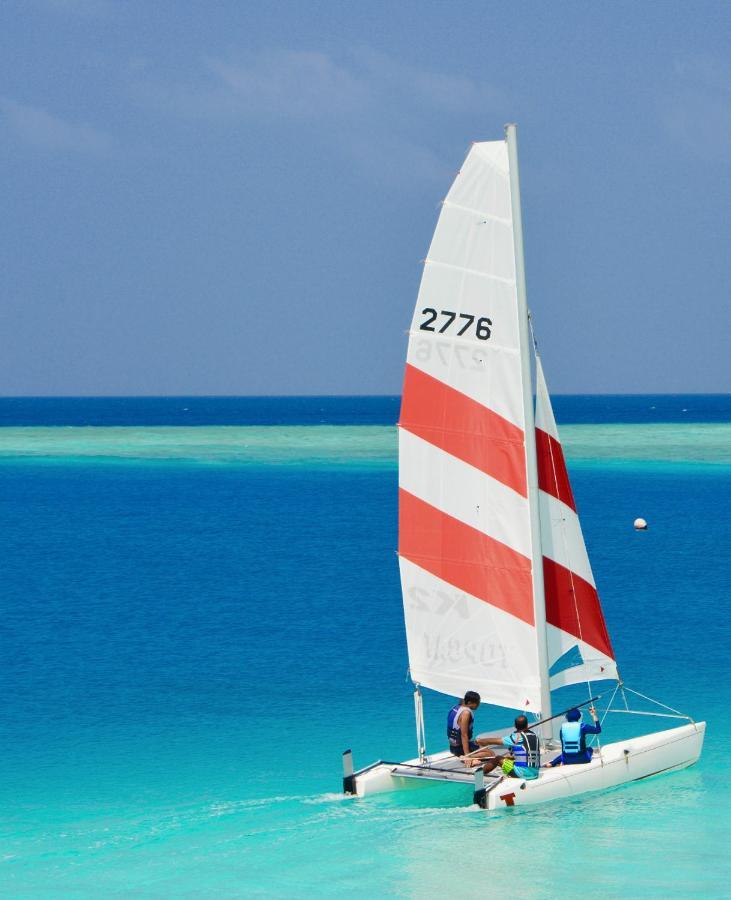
(499, 595)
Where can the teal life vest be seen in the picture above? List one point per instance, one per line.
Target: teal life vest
(571, 738)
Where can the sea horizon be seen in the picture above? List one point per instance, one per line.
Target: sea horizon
(335, 409)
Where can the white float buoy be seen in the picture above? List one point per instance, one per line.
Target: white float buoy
(640, 525)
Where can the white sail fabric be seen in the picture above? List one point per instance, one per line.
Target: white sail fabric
(464, 528)
(579, 648)
(459, 643)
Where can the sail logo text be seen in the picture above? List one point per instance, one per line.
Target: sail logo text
(454, 650)
(439, 602)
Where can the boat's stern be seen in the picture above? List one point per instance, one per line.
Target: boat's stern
(382, 777)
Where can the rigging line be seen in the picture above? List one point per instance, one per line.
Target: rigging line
(659, 715)
(609, 705)
(657, 703)
(575, 706)
(532, 333)
(606, 711)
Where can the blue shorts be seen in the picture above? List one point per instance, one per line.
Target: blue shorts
(457, 751)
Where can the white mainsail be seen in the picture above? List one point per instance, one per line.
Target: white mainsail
(465, 490)
(576, 632)
(464, 521)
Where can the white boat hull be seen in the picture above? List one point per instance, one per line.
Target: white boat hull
(618, 763)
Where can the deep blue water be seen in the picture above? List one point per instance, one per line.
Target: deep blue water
(569, 409)
(187, 650)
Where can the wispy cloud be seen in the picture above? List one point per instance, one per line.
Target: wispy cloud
(39, 128)
(299, 85)
(436, 90)
(697, 108)
(367, 103)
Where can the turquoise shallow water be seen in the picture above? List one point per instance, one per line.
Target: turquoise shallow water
(198, 621)
(345, 445)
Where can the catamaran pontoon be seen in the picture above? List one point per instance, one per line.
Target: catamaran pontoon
(499, 595)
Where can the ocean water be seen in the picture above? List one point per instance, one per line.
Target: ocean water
(160, 411)
(198, 619)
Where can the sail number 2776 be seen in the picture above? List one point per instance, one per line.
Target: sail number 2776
(462, 323)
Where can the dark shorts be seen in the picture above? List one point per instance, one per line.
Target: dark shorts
(574, 759)
(457, 751)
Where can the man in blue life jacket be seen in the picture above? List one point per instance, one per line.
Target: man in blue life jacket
(460, 725)
(573, 739)
(524, 757)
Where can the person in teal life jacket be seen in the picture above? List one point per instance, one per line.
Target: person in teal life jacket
(460, 725)
(524, 757)
(573, 739)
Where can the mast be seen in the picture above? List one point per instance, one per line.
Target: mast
(539, 600)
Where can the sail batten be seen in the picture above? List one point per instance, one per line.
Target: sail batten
(510, 282)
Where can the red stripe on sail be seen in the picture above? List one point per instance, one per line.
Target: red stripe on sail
(452, 421)
(465, 557)
(566, 593)
(552, 475)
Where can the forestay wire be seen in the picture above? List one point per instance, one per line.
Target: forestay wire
(669, 713)
(674, 713)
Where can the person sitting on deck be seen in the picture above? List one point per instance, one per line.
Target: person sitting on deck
(460, 725)
(573, 739)
(524, 758)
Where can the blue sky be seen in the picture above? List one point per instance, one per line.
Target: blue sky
(232, 197)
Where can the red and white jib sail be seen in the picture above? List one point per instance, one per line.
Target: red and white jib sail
(464, 528)
(579, 648)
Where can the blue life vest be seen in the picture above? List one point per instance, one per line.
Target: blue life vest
(572, 740)
(526, 749)
(454, 732)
